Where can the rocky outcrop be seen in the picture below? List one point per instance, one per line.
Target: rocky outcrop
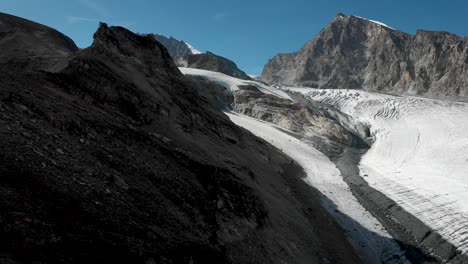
(117, 157)
(356, 53)
(309, 123)
(326, 129)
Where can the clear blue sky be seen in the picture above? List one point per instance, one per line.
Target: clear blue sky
(247, 32)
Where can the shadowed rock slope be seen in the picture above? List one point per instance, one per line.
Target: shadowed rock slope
(355, 53)
(116, 157)
(25, 44)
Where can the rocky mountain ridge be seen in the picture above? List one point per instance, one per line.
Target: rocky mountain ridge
(110, 154)
(356, 53)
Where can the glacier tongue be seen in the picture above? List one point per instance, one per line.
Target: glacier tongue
(420, 155)
(365, 232)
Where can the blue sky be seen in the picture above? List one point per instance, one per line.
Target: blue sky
(247, 32)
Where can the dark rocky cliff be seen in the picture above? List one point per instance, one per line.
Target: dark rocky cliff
(356, 53)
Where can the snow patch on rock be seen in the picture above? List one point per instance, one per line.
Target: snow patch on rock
(376, 22)
(192, 49)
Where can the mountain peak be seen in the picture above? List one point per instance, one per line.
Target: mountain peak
(174, 46)
(118, 41)
(358, 53)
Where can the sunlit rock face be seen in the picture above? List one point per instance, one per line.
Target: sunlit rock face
(356, 53)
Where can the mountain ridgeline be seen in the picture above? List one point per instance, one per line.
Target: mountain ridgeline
(175, 46)
(356, 53)
(110, 154)
(184, 55)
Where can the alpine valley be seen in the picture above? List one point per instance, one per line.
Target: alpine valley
(142, 149)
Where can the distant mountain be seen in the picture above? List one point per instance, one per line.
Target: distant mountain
(185, 55)
(353, 52)
(174, 46)
(212, 62)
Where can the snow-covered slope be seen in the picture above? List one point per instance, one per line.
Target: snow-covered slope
(192, 49)
(376, 22)
(419, 157)
(367, 235)
(232, 83)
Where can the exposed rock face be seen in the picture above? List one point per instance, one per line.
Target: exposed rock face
(310, 123)
(212, 62)
(356, 53)
(326, 129)
(116, 157)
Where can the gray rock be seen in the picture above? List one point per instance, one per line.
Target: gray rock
(356, 53)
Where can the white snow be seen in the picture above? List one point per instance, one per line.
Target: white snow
(231, 83)
(362, 229)
(376, 22)
(420, 155)
(192, 49)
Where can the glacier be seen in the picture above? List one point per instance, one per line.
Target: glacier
(367, 235)
(419, 157)
(232, 83)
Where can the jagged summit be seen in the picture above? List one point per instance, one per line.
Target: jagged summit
(118, 40)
